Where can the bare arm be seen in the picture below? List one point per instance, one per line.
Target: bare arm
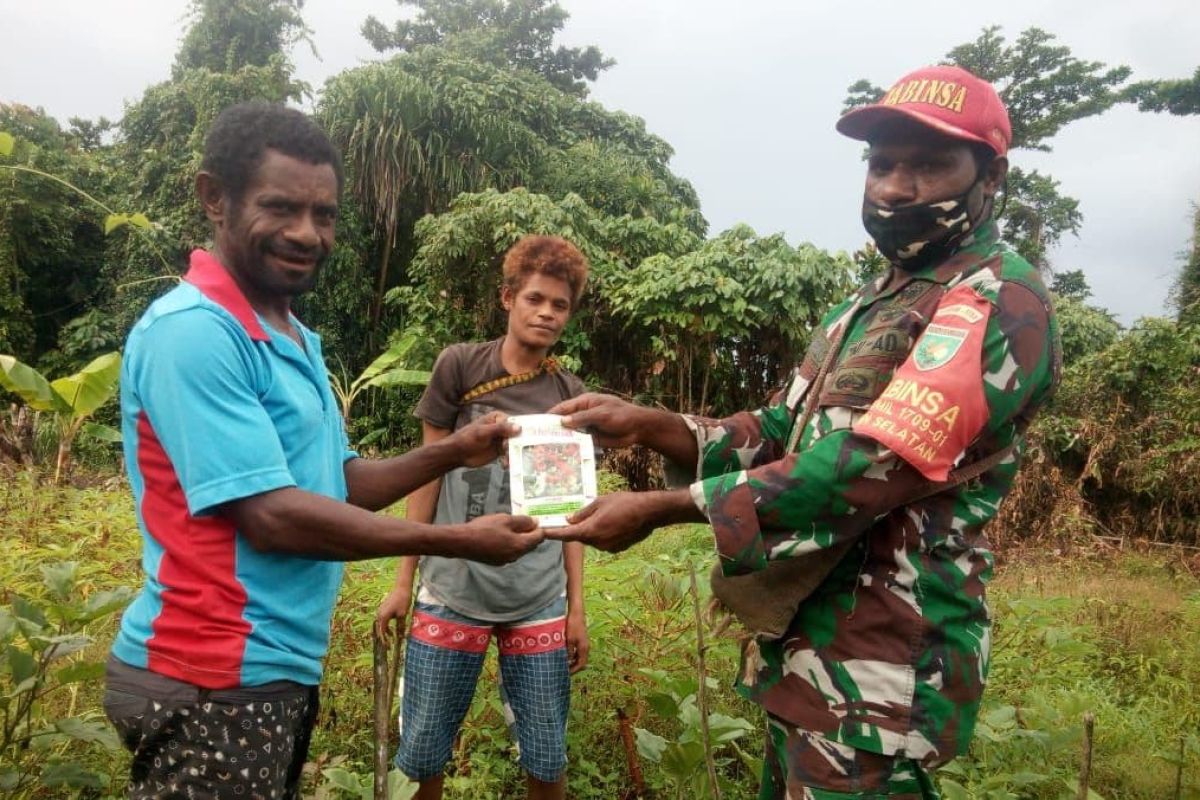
(375, 484)
(578, 644)
(573, 563)
(301, 523)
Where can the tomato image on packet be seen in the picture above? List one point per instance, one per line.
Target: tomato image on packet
(552, 469)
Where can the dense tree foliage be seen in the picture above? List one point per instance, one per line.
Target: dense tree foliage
(1179, 97)
(424, 127)
(1186, 292)
(226, 35)
(676, 319)
(51, 242)
(505, 33)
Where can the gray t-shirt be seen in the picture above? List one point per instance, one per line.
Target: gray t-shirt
(513, 591)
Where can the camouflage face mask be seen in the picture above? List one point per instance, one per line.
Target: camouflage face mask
(913, 237)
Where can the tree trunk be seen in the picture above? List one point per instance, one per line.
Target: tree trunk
(380, 289)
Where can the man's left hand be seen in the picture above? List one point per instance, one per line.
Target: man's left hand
(577, 642)
(483, 441)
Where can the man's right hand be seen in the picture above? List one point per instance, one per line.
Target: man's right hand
(497, 539)
(393, 608)
(611, 421)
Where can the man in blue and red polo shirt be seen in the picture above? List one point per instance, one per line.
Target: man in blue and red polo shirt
(248, 498)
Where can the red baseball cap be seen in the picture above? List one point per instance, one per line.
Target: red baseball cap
(947, 99)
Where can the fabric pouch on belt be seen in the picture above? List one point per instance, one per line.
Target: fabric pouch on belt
(766, 601)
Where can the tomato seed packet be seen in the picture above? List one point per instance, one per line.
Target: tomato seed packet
(552, 469)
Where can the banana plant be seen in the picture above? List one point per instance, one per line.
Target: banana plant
(71, 400)
(390, 369)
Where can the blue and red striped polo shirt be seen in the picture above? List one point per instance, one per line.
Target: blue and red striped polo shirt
(217, 406)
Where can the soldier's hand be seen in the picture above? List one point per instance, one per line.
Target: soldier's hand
(484, 440)
(612, 421)
(612, 523)
(498, 538)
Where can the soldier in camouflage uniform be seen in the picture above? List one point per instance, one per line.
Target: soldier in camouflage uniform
(937, 365)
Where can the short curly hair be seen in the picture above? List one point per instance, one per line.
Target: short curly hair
(241, 135)
(546, 255)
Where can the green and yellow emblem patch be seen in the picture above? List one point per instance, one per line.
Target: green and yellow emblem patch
(937, 346)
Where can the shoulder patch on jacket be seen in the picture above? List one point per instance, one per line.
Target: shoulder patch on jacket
(934, 406)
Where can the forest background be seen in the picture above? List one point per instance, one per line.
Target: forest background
(473, 128)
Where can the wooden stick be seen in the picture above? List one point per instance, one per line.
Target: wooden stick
(1179, 770)
(631, 756)
(1085, 775)
(702, 692)
(383, 707)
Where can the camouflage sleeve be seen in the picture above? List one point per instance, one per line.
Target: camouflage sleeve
(746, 439)
(846, 474)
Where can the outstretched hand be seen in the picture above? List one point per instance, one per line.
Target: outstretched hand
(612, 523)
(484, 440)
(497, 539)
(611, 421)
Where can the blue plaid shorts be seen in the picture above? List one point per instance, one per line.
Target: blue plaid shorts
(445, 654)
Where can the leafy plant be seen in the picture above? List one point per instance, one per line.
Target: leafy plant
(341, 782)
(682, 759)
(71, 399)
(392, 368)
(42, 640)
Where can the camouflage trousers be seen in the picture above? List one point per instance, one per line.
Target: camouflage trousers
(800, 765)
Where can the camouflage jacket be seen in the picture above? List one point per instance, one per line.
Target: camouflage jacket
(936, 369)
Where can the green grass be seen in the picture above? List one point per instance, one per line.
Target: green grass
(1116, 636)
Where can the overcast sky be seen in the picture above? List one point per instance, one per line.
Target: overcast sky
(747, 93)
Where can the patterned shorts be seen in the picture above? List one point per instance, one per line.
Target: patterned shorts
(237, 744)
(445, 654)
(800, 765)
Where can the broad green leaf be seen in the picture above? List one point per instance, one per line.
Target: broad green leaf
(71, 774)
(662, 704)
(6, 143)
(22, 665)
(80, 672)
(61, 646)
(86, 730)
(400, 787)
(59, 578)
(722, 728)
(397, 352)
(8, 625)
(650, 746)
(398, 377)
(106, 602)
(92, 386)
(102, 433)
(953, 790)
(9, 779)
(683, 759)
(114, 221)
(343, 779)
(27, 611)
(28, 384)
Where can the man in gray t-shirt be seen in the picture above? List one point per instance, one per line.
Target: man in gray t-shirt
(534, 606)
(516, 590)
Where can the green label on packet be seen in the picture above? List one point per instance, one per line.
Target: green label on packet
(554, 508)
